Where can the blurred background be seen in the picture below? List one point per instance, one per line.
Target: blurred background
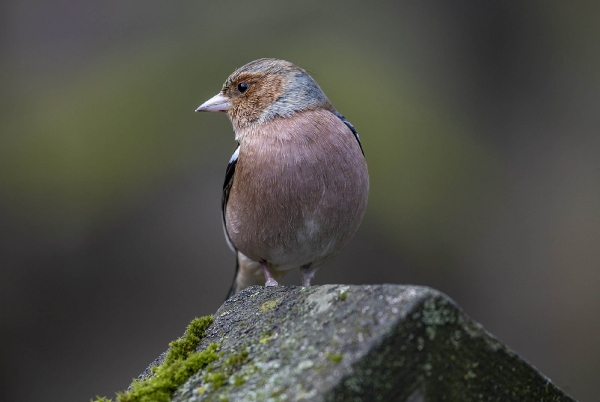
(480, 125)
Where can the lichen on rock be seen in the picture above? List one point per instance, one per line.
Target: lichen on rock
(356, 343)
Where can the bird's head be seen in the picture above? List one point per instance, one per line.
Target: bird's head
(265, 89)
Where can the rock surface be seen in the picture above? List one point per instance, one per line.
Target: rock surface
(357, 343)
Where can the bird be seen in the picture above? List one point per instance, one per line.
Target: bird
(296, 187)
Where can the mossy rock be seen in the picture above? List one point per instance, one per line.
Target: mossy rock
(356, 343)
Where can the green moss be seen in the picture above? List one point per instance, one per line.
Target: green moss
(180, 363)
(218, 376)
(266, 306)
(265, 339)
(182, 347)
(343, 295)
(238, 381)
(168, 377)
(216, 379)
(265, 336)
(237, 359)
(336, 358)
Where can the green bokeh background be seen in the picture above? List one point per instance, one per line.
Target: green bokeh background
(479, 123)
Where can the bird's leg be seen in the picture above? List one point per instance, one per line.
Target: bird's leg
(307, 273)
(270, 280)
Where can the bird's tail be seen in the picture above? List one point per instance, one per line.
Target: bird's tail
(233, 288)
(247, 273)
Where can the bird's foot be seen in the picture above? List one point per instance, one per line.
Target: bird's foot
(270, 280)
(306, 273)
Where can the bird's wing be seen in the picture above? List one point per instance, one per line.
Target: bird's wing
(351, 127)
(226, 189)
(229, 173)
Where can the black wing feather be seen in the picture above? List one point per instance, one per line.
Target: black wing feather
(229, 173)
(351, 127)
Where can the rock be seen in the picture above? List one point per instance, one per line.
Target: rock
(357, 343)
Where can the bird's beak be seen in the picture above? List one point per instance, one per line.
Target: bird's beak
(217, 103)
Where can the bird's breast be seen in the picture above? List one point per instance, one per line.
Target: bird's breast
(299, 191)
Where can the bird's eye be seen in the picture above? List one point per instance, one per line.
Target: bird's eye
(242, 87)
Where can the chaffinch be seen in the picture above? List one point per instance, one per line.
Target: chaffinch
(296, 187)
